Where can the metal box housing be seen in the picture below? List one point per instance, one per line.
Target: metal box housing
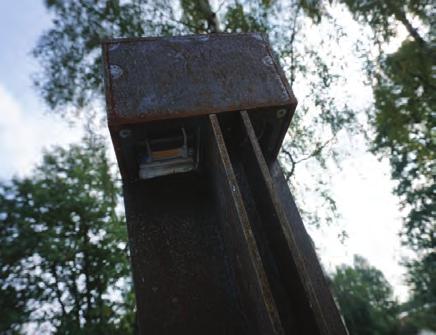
(153, 80)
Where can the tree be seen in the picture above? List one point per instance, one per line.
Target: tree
(405, 101)
(404, 84)
(365, 299)
(384, 16)
(421, 307)
(64, 262)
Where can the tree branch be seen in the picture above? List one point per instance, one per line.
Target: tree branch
(291, 42)
(210, 16)
(316, 151)
(58, 292)
(400, 15)
(289, 155)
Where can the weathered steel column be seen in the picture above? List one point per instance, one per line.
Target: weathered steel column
(217, 244)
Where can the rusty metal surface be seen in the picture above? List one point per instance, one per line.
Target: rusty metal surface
(196, 265)
(301, 275)
(174, 77)
(223, 250)
(180, 271)
(254, 292)
(298, 286)
(321, 298)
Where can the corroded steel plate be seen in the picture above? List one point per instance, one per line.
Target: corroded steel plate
(174, 77)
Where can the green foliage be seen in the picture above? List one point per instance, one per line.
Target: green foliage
(384, 16)
(404, 123)
(365, 299)
(64, 258)
(12, 307)
(405, 100)
(421, 307)
(314, 9)
(239, 20)
(198, 16)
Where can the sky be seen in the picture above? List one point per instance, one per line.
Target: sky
(25, 126)
(362, 188)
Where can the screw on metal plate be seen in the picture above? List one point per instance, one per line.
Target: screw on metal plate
(267, 60)
(125, 133)
(281, 113)
(115, 71)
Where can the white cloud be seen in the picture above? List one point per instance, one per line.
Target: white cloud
(23, 135)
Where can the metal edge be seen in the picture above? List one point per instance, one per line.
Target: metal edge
(256, 262)
(107, 84)
(280, 72)
(154, 38)
(114, 119)
(287, 232)
(327, 308)
(293, 99)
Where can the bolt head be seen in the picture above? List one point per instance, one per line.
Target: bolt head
(115, 71)
(281, 113)
(125, 133)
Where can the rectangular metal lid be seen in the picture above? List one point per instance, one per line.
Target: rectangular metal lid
(173, 77)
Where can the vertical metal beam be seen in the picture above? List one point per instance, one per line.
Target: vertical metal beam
(224, 250)
(254, 292)
(320, 297)
(301, 274)
(180, 270)
(220, 249)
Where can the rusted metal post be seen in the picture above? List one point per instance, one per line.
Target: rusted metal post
(217, 244)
